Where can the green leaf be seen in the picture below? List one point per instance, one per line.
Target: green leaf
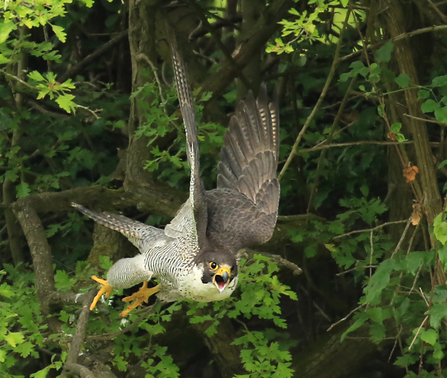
(383, 55)
(361, 319)
(442, 164)
(423, 94)
(59, 31)
(365, 190)
(437, 312)
(6, 27)
(429, 106)
(11, 175)
(430, 336)
(24, 349)
(4, 59)
(440, 229)
(441, 114)
(66, 103)
(416, 260)
(35, 75)
(14, 338)
(6, 291)
(42, 373)
(63, 281)
(379, 281)
(439, 81)
(22, 189)
(395, 127)
(402, 80)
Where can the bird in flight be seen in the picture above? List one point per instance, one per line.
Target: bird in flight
(195, 256)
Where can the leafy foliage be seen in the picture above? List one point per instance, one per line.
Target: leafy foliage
(63, 134)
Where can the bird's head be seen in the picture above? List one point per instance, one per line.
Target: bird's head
(219, 267)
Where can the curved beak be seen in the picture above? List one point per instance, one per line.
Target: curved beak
(222, 278)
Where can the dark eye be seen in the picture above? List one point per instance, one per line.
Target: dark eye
(213, 265)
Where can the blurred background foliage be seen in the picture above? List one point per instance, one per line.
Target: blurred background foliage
(88, 114)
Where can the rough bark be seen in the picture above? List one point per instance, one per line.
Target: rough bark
(395, 23)
(39, 248)
(329, 358)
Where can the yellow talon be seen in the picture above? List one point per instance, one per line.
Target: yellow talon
(106, 288)
(141, 296)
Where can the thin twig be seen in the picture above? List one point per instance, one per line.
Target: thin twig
(18, 79)
(417, 333)
(154, 70)
(321, 159)
(90, 110)
(396, 38)
(357, 268)
(370, 229)
(402, 238)
(335, 63)
(359, 143)
(346, 317)
(426, 119)
(222, 47)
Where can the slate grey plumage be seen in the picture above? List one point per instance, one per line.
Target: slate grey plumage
(195, 255)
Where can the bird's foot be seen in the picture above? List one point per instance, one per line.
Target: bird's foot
(141, 296)
(105, 288)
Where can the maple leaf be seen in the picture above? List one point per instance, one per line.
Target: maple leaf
(410, 173)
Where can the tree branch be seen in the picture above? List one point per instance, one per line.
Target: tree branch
(264, 29)
(93, 56)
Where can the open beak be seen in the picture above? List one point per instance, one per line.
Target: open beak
(222, 278)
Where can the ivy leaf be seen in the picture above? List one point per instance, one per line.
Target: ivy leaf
(383, 55)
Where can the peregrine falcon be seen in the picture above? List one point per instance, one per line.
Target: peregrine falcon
(195, 255)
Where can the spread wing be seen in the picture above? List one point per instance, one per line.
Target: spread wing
(196, 187)
(141, 235)
(244, 207)
(249, 158)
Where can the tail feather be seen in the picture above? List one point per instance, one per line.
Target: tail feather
(137, 232)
